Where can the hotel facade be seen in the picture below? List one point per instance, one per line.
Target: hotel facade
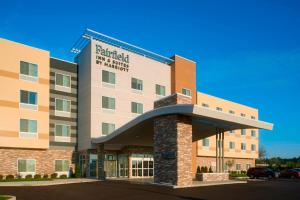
(117, 111)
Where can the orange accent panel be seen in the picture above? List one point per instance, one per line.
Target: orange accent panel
(9, 74)
(44, 81)
(44, 108)
(183, 75)
(9, 104)
(4, 133)
(43, 136)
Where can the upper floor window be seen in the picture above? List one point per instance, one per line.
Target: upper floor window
(243, 114)
(253, 133)
(62, 130)
(108, 103)
(63, 80)
(28, 69)
(107, 128)
(238, 167)
(27, 97)
(243, 146)
(231, 112)
(231, 132)
(61, 165)
(253, 147)
(253, 117)
(205, 142)
(136, 84)
(205, 105)
(186, 92)
(28, 128)
(231, 145)
(26, 165)
(243, 132)
(108, 77)
(160, 90)
(136, 108)
(219, 109)
(63, 105)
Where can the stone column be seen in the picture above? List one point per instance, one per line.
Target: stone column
(101, 156)
(173, 150)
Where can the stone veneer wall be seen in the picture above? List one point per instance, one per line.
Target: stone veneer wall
(207, 161)
(173, 150)
(44, 159)
(172, 100)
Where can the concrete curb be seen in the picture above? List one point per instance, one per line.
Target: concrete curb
(46, 183)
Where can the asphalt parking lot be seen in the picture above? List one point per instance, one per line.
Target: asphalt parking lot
(274, 189)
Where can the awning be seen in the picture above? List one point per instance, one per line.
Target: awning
(139, 131)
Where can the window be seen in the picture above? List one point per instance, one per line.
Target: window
(232, 132)
(205, 142)
(27, 97)
(219, 109)
(136, 108)
(205, 105)
(253, 133)
(253, 147)
(243, 132)
(108, 103)
(248, 166)
(62, 130)
(63, 105)
(28, 69)
(136, 84)
(107, 128)
(160, 90)
(186, 92)
(61, 165)
(252, 117)
(231, 145)
(243, 114)
(28, 128)
(238, 167)
(231, 112)
(63, 80)
(243, 146)
(108, 77)
(26, 165)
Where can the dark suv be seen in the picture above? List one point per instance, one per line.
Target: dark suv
(257, 172)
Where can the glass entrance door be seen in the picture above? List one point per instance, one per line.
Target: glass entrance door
(110, 165)
(93, 165)
(142, 166)
(123, 165)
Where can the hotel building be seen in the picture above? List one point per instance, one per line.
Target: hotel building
(117, 111)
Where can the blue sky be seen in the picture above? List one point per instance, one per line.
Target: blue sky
(246, 51)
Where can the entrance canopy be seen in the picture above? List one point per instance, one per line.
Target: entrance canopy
(205, 121)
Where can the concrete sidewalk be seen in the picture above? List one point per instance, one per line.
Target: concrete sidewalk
(46, 183)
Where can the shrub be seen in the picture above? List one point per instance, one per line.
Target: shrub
(9, 177)
(37, 176)
(198, 170)
(205, 169)
(1, 177)
(77, 171)
(46, 176)
(54, 175)
(28, 176)
(210, 170)
(63, 176)
(202, 169)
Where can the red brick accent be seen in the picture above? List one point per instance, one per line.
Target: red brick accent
(44, 159)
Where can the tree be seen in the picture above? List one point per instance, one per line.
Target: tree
(262, 154)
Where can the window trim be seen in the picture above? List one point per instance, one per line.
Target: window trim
(243, 150)
(137, 103)
(28, 77)
(107, 83)
(108, 124)
(29, 105)
(190, 91)
(26, 160)
(60, 112)
(160, 95)
(137, 90)
(62, 172)
(32, 134)
(108, 109)
(61, 87)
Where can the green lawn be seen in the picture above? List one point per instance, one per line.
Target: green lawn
(3, 198)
